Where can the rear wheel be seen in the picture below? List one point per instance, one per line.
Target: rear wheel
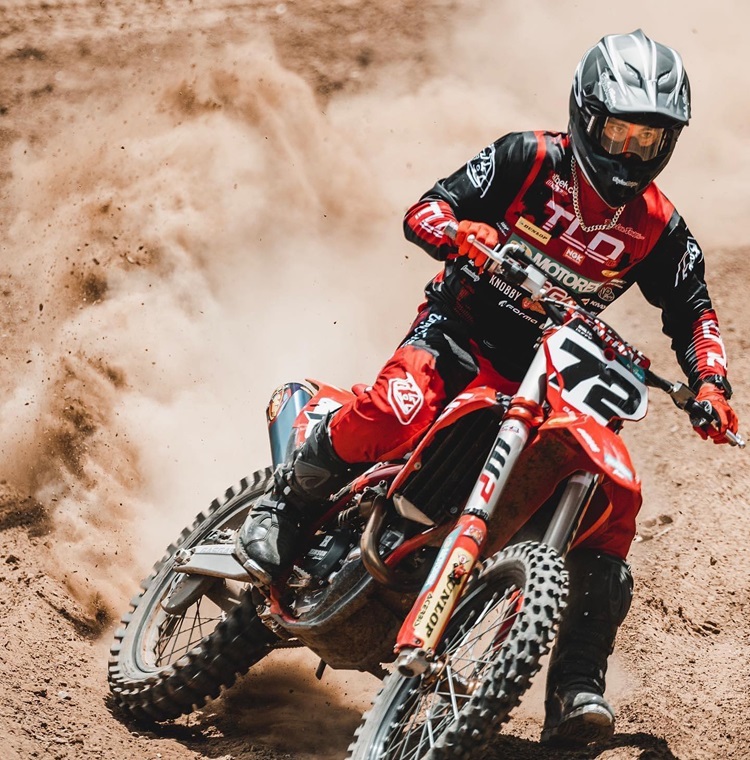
(490, 651)
(188, 637)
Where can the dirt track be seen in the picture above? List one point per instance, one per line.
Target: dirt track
(192, 196)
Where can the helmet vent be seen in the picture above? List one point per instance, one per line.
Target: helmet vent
(632, 76)
(666, 80)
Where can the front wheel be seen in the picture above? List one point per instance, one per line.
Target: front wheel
(491, 649)
(168, 657)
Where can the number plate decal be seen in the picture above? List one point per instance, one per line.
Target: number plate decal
(580, 375)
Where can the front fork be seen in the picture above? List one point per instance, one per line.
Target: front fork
(429, 616)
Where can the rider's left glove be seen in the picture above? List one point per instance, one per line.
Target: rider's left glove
(725, 416)
(482, 233)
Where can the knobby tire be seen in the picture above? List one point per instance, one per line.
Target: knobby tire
(162, 691)
(532, 579)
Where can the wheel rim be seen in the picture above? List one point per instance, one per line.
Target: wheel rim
(163, 638)
(167, 638)
(432, 703)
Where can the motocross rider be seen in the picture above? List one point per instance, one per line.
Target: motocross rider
(585, 205)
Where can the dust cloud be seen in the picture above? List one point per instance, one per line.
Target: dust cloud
(176, 245)
(183, 242)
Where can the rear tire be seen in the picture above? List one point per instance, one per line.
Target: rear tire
(491, 650)
(164, 665)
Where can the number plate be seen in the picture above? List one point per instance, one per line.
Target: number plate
(594, 381)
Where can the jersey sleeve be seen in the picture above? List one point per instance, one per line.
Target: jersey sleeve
(480, 190)
(673, 278)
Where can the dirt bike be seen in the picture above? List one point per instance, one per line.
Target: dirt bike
(442, 573)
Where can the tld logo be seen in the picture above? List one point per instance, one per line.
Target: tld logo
(603, 248)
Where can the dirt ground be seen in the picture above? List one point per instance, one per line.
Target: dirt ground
(200, 200)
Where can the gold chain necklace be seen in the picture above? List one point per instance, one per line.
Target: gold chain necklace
(594, 227)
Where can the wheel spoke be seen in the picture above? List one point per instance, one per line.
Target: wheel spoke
(445, 707)
(175, 616)
(175, 635)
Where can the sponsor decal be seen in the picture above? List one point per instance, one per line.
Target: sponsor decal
(470, 272)
(405, 397)
(629, 231)
(530, 305)
(512, 426)
(718, 356)
(690, 258)
(582, 329)
(505, 304)
(558, 184)
(569, 279)
(531, 229)
(593, 304)
(481, 170)
(277, 399)
(428, 623)
(431, 220)
(606, 294)
(575, 256)
(421, 330)
(491, 473)
(423, 610)
(602, 247)
(605, 82)
(505, 288)
(475, 534)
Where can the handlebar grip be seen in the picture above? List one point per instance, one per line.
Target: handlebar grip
(735, 439)
(702, 414)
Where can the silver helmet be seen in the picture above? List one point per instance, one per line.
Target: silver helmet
(629, 102)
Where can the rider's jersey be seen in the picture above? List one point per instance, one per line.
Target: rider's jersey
(523, 186)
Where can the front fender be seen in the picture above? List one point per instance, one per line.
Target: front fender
(602, 446)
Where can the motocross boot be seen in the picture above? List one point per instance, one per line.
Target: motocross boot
(269, 538)
(601, 589)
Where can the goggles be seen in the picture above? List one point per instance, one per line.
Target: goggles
(620, 137)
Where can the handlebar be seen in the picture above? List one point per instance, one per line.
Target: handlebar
(701, 412)
(529, 278)
(535, 282)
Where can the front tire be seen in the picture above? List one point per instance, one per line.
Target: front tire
(164, 665)
(485, 662)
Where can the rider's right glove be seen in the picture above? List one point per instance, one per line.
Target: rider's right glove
(725, 416)
(482, 233)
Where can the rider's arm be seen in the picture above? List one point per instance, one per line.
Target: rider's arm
(480, 190)
(672, 278)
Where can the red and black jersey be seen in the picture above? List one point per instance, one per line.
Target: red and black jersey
(523, 185)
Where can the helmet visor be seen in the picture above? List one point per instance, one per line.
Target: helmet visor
(620, 137)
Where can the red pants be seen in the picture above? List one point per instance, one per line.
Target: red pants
(437, 360)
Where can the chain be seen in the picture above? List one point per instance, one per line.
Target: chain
(594, 227)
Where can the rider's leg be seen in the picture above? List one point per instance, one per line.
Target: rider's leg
(601, 589)
(382, 423)
(267, 542)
